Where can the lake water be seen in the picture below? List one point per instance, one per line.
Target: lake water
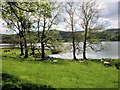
(5, 45)
(111, 51)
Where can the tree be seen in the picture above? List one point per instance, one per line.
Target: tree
(10, 16)
(27, 24)
(71, 21)
(89, 18)
(15, 15)
(53, 40)
(22, 12)
(47, 15)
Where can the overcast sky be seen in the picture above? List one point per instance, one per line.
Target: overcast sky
(110, 14)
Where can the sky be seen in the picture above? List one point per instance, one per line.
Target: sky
(109, 15)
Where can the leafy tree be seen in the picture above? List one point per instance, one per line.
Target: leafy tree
(11, 17)
(16, 16)
(47, 15)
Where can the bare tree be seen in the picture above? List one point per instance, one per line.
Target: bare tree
(89, 15)
(71, 21)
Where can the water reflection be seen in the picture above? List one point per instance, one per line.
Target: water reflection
(110, 52)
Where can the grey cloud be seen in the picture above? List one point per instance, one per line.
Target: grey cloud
(111, 10)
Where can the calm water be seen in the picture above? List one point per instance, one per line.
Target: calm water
(111, 51)
(5, 45)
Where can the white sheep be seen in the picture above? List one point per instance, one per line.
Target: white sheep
(81, 61)
(107, 63)
(101, 60)
(55, 61)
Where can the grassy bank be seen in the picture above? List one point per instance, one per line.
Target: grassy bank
(28, 73)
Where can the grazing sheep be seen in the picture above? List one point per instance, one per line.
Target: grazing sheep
(107, 63)
(101, 60)
(55, 61)
(81, 61)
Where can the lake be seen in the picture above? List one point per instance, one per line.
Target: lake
(111, 51)
(5, 45)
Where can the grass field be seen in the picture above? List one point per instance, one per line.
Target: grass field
(28, 73)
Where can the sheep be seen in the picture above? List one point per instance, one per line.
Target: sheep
(55, 61)
(81, 61)
(101, 60)
(107, 63)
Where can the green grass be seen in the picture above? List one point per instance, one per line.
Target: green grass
(63, 74)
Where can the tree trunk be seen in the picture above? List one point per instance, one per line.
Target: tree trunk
(21, 44)
(84, 44)
(21, 49)
(74, 50)
(84, 50)
(38, 31)
(43, 48)
(42, 41)
(33, 50)
(26, 49)
(73, 39)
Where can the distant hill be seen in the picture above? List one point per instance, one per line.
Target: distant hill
(106, 35)
(110, 34)
(113, 30)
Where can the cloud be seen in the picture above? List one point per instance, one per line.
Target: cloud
(111, 10)
(110, 15)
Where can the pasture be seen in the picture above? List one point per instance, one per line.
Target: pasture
(32, 74)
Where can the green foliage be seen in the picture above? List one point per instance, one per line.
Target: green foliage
(45, 9)
(10, 39)
(92, 37)
(41, 9)
(54, 40)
